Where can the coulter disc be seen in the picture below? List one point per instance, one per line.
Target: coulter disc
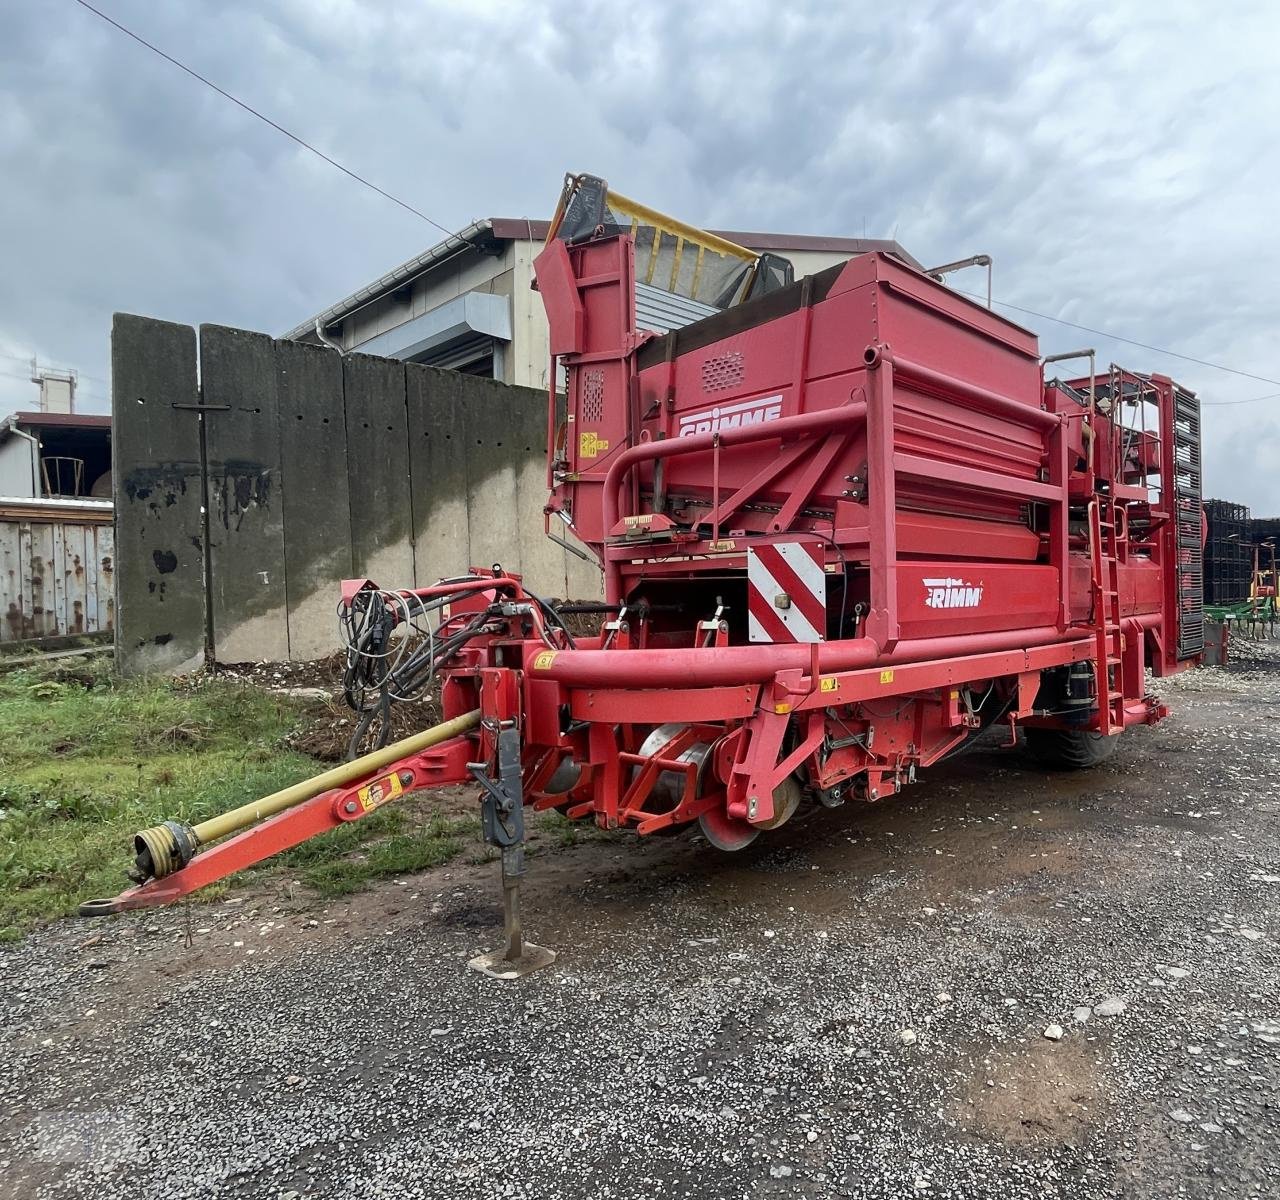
(725, 832)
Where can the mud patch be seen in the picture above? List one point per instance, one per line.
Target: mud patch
(1045, 1091)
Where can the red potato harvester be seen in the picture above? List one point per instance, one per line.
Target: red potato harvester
(845, 524)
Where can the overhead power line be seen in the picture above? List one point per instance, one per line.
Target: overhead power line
(1115, 337)
(261, 116)
(1228, 403)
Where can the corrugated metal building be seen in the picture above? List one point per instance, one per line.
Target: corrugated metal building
(57, 568)
(468, 303)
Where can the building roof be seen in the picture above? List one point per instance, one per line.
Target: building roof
(48, 420)
(489, 231)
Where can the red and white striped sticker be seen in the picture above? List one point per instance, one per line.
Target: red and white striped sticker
(786, 592)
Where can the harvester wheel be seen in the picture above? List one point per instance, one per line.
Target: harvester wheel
(1070, 749)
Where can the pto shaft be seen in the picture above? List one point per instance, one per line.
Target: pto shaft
(165, 848)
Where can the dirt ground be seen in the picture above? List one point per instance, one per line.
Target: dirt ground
(854, 1007)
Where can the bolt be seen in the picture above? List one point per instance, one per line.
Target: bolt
(349, 807)
(406, 778)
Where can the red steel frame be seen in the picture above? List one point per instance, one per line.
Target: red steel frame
(908, 429)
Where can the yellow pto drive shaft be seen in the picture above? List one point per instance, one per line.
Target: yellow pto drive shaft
(163, 849)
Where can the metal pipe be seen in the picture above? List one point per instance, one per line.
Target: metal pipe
(327, 340)
(974, 260)
(1067, 356)
(163, 848)
(1087, 432)
(802, 423)
(731, 665)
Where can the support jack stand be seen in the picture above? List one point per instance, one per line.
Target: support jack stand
(517, 957)
(503, 820)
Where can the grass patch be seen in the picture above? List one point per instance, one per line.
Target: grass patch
(86, 760)
(390, 842)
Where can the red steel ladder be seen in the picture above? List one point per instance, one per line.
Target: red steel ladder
(1104, 553)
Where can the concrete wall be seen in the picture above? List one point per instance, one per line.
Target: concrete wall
(316, 467)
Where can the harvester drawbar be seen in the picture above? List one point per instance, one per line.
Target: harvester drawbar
(845, 524)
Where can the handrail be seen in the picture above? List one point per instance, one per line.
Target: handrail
(970, 395)
(800, 424)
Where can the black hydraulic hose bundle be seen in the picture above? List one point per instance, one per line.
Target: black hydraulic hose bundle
(393, 652)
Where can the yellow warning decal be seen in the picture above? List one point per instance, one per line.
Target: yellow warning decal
(781, 708)
(722, 544)
(590, 444)
(380, 791)
(886, 676)
(829, 684)
(543, 660)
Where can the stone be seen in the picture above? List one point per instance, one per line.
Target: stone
(1082, 1014)
(1053, 1033)
(907, 1037)
(1181, 1116)
(1112, 1006)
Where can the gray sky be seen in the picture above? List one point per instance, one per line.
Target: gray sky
(1121, 162)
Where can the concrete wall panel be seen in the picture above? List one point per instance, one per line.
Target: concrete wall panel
(246, 511)
(440, 465)
(156, 468)
(378, 470)
(315, 494)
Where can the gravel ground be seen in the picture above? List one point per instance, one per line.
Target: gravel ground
(858, 1008)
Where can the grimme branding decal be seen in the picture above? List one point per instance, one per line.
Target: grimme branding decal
(951, 593)
(731, 416)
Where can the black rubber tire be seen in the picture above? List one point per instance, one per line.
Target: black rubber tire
(1070, 749)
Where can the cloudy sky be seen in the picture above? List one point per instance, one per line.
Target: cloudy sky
(1120, 161)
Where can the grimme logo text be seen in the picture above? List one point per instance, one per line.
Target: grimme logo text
(951, 593)
(731, 416)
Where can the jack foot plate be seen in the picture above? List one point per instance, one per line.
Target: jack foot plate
(496, 964)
